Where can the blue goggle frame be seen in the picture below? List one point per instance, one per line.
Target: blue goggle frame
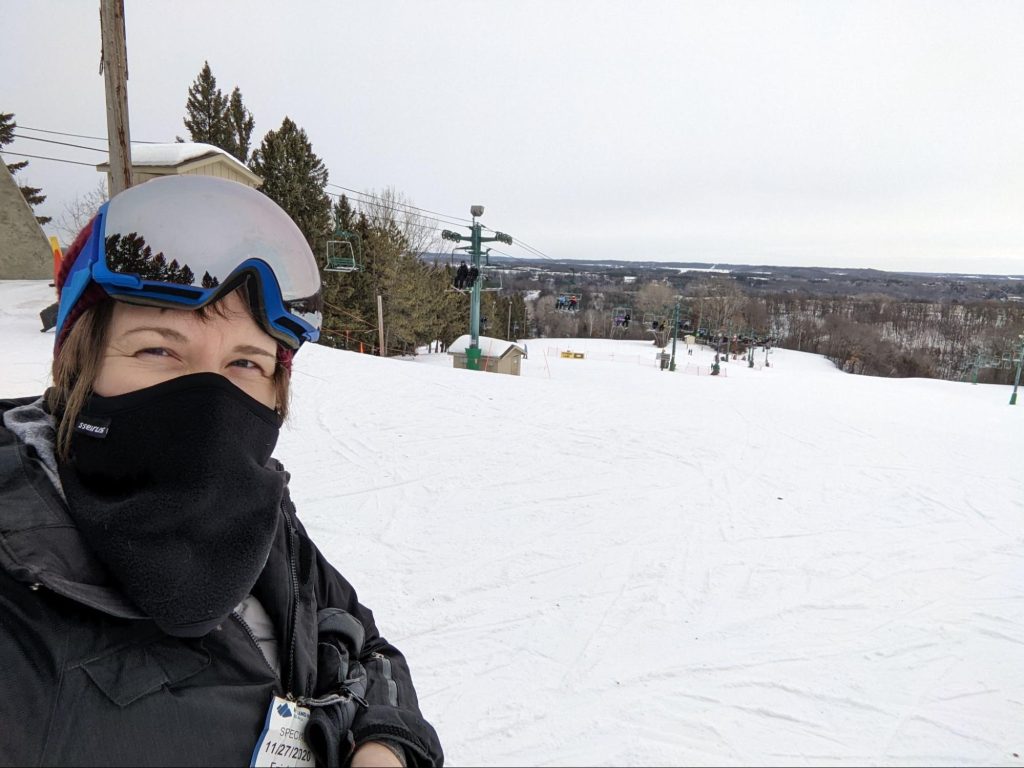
(268, 307)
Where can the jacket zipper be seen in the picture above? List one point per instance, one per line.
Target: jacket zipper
(293, 614)
(256, 643)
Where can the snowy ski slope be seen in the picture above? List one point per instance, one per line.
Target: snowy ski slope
(603, 563)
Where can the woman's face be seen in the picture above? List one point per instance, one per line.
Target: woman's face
(148, 346)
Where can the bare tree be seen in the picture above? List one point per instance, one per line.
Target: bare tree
(720, 302)
(754, 314)
(78, 212)
(389, 211)
(655, 298)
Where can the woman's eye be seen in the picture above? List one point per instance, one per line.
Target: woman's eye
(248, 364)
(158, 351)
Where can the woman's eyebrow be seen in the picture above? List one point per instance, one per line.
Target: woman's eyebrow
(167, 333)
(249, 349)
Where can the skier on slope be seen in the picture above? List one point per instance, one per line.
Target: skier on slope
(160, 602)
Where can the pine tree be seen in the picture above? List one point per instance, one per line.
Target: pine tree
(344, 214)
(31, 194)
(206, 113)
(241, 122)
(295, 178)
(34, 198)
(7, 126)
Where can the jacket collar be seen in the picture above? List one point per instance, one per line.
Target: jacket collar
(39, 543)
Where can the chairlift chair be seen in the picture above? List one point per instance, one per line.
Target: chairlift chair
(621, 317)
(654, 322)
(489, 277)
(489, 284)
(568, 302)
(343, 252)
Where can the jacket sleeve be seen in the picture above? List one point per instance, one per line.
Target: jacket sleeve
(392, 710)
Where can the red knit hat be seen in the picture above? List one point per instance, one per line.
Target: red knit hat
(94, 294)
(91, 296)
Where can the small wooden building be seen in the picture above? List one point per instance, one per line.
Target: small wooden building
(496, 355)
(185, 159)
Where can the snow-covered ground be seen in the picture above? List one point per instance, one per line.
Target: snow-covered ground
(600, 562)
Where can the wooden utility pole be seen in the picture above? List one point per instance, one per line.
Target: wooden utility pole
(380, 324)
(114, 67)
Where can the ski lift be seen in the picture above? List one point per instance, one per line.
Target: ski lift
(489, 277)
(343, 252)
(654, 322)
(980, 362)
(568, 302)
(621, 317)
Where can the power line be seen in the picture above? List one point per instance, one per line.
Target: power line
(40, 157)
(77, 135)
(62, 143)
(407, 205)
(379, 201)
(463, 221)
(354, 316)
(459, 221)
(399, 210)
(537, 251)
(531, 250)
(508, 255)
(526, 246)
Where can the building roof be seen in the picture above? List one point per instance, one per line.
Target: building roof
(488, 347)
(182, 156)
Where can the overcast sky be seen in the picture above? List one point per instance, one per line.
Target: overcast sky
(849, 134)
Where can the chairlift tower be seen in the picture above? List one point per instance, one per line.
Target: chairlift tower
(1016, 378)
(476, 239)
(675, 335)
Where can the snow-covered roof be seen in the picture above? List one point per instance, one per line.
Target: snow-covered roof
(175, 154)
(488, 347)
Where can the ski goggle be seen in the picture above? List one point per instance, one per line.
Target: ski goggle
(182, 242)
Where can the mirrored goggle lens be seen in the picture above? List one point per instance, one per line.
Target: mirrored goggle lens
(196, 232)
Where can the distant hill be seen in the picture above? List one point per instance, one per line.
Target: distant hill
(813, 281)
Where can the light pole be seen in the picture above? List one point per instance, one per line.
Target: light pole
(475, 240)
(1016, 379)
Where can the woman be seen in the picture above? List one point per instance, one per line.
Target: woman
(160, 602)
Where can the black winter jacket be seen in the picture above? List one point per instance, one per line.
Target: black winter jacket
(86, 679)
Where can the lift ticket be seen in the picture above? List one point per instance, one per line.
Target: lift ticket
(283, 741)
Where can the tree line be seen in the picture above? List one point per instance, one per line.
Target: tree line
(869, 335)
(418, 307)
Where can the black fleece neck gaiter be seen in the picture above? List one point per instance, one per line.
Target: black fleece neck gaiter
(170, 488)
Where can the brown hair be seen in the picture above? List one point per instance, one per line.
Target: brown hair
(77, 364)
